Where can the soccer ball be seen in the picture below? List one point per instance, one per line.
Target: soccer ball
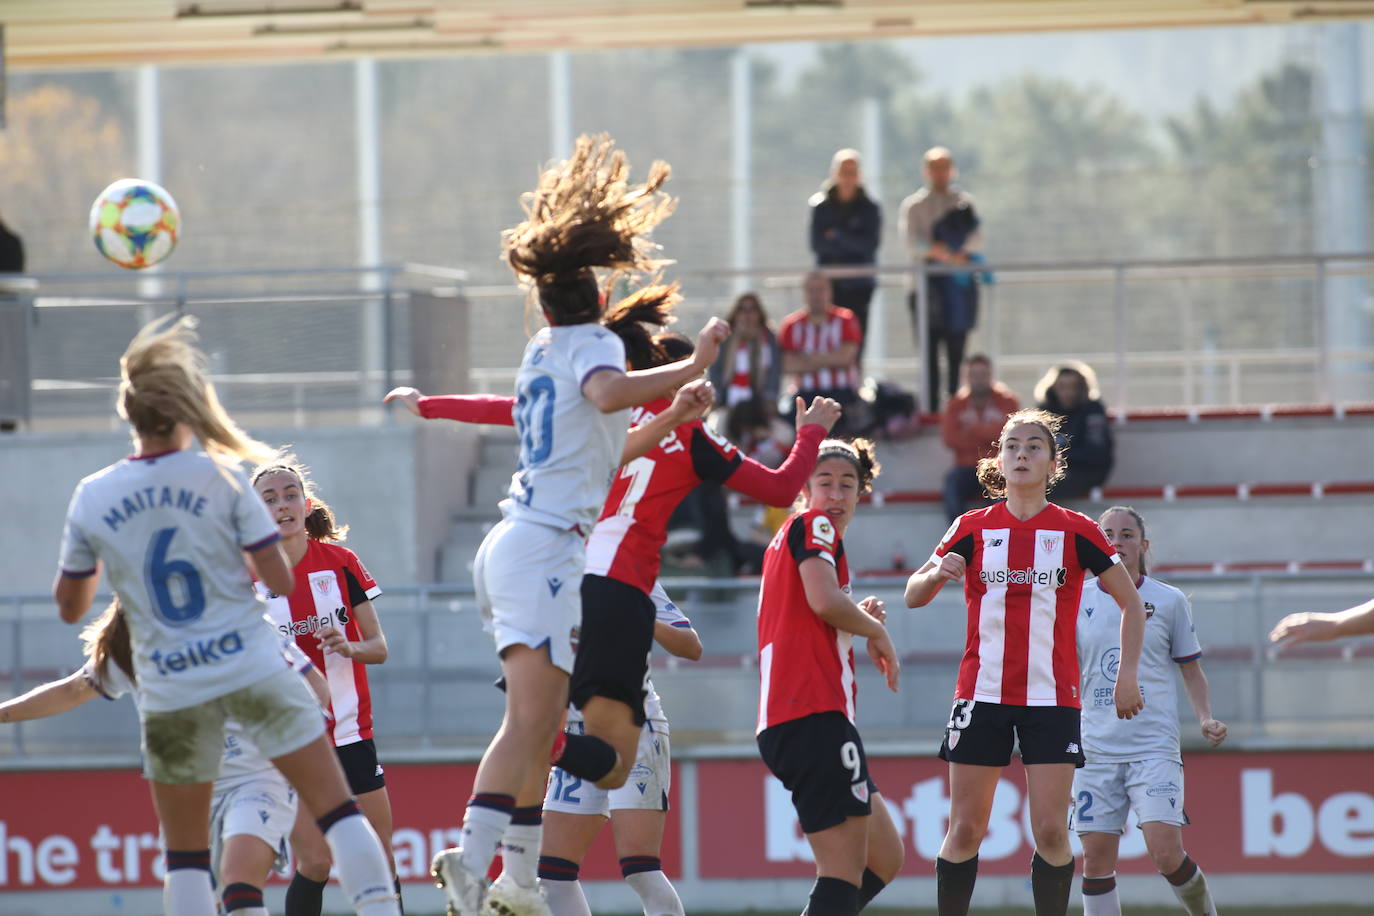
(135, 223)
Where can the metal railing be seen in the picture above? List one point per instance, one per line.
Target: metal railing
(1159, 332)
(433, 697)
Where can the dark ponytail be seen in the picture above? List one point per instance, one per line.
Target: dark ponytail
(858, 452)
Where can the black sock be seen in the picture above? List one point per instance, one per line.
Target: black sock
(954, 885)
(241, 896)
(1050, 885)
(588, 757)
(870, 888)
(400, 904)
(833, 897)
(304, 897)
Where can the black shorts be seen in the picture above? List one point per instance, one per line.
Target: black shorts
(981, 734)
(613, 650)
(360, 766)
(820, 759)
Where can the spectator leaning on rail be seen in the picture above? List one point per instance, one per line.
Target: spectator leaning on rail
(970, 424)
(820, 351)
(846, 227)
(939, 226)
(1069, 389)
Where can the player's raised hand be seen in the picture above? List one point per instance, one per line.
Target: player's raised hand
(1304, 627)
(1214, 731)
(824, 412)
(693, 400)
(952, 566)
(708, 342)
(408, 396)
(874, 607)
(1129, 700)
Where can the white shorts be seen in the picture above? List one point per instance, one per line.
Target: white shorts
(645, 790)
(1104, 793)
(263, 806)
(279, 715)
(528, 579)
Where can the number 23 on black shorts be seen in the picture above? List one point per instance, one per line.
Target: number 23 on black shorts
(983, 734)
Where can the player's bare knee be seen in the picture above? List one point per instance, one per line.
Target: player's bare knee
(313, 866)
(1166, 855)
(966, 834)
(1050, 833)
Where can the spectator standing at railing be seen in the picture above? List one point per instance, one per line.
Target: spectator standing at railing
(940, 227)
(970, 425)
(1070, 390)
(846, 228)
(11, 250)
(820, 349)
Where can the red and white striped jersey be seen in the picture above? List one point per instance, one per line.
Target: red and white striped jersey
(1022, 586)
(806, 666)
(626, 541)
(800, 335)
(330, 582)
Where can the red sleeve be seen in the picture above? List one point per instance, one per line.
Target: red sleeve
(470, 408)
(851, 333)
(785, 336)
(778, 487)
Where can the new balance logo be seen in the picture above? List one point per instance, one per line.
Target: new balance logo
(994, 542)
(554, 586)
(1072, 748)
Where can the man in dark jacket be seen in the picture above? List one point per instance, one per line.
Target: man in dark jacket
(11, 251)
(846, 227)
(1070, 390)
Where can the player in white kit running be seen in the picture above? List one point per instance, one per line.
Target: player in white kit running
(170, 524)
(1136, 765)
(253, 807)
(573, 397)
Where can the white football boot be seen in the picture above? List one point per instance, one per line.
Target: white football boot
(463, 890)
(506, 898)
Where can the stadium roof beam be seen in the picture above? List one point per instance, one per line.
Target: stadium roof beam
(53, 34)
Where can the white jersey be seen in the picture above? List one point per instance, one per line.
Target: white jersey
(241, 761)
(665, 612)
(1169, 639)
(170, 529)
(569, 450)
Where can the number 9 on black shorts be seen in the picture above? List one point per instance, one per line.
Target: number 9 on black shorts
(982, 734)
(820, 759)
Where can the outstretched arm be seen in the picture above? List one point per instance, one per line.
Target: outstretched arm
(49, 699)
(779, 486)
(1307, 627)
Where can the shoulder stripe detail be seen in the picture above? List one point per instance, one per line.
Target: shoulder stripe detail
(78, 573)
(595, 369)
(1188, 658)
(682, 624)
(265, 542)
(374, 592)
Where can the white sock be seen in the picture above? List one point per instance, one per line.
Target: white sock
(362, 866)
(565, 898)
(520, 852)
(656, 892)
(187, 892)
(483, 828)
(1195, 896)
(1103, 904)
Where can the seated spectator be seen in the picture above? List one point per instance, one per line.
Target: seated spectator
(970, 425)
(1070, 390)
(749, 366)
(820, 351)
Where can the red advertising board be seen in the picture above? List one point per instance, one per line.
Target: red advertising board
(96, 829)
(1250, 812)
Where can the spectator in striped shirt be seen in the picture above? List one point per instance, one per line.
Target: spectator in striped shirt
(820, 348)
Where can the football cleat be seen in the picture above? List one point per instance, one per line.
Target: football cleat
(463, 890)
(507, 898)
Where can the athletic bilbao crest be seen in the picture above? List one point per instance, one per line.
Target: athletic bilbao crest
(322, 583)
(1050, 543)
(860, 790)
(952, 738)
